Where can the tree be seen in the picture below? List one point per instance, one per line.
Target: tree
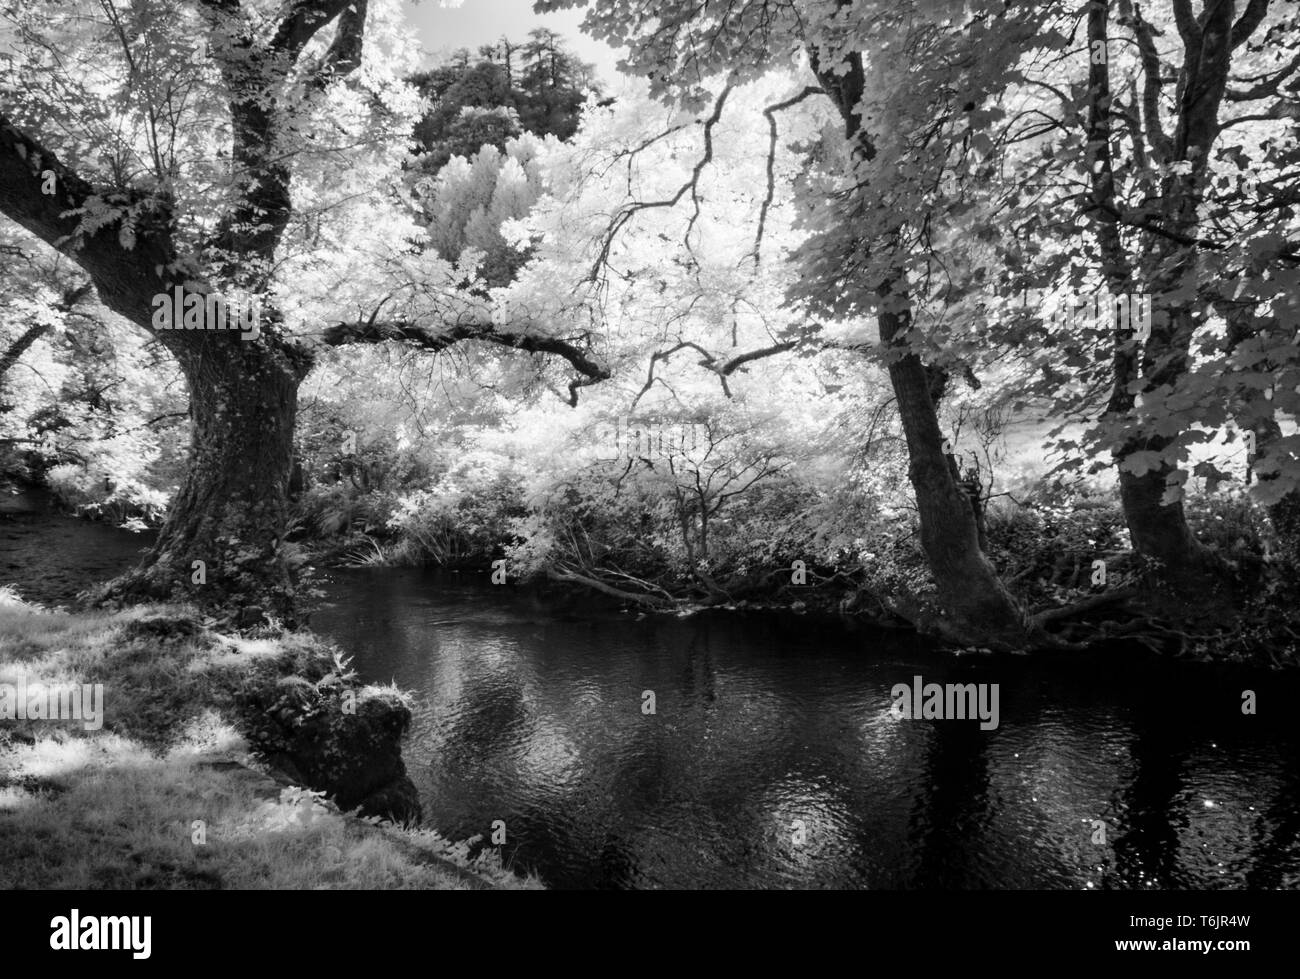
(470, 200)
(537, 87)
(1183, 193)
(473, 106)
(554, 84)
(1165, 231)
(870, 214)
(220, 164)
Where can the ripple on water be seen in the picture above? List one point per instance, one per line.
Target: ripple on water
(772, 758)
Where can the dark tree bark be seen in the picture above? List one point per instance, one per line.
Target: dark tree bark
(1243, 323)
(976, 606)
(231, 511)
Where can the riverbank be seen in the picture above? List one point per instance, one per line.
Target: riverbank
(1063, 554)
(175, 774)
(1051, 562)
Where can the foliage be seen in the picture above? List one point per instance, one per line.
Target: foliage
(708, 250)
(537, 87)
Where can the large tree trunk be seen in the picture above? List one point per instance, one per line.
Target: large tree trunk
(976, 606)
(1158, 530)
(231, 511)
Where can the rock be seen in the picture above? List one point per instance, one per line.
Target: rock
(398, 800)
(354, 758)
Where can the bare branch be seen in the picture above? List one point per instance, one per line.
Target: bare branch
(741, 360)
(1152, 82)
(630, 210)
(1187, 27)
(770, 112)
(1101, 170)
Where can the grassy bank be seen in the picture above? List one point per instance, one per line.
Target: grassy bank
(167, 793)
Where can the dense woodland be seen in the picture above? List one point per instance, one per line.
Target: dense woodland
(978, 319)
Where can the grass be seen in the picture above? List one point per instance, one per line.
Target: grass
(166, 794)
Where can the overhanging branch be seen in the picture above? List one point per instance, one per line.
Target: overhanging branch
(125, 278)
(770, 112)
(435, 340)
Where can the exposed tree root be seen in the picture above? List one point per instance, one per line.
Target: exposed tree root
(1084, 607)
(242, 600)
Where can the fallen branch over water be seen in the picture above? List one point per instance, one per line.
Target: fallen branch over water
(572, 577)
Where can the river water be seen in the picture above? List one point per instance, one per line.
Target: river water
(772, 758)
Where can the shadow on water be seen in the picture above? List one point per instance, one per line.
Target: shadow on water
(1148, 850)
(950, 815)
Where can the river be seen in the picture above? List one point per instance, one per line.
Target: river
(772, 757)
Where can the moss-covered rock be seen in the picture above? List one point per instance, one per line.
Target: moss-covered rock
(337, 738)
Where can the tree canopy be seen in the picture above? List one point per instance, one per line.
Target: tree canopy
(823, 247)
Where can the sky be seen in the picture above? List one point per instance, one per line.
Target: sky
(443, 27)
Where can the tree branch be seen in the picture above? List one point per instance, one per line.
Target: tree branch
(1101, 168)
(125, 278)
(1187, 29)
(739, 361)
(305, 19)
(21, 345)
(1267, 87)
(1152, 82)
(344, 54)
(1250, 18)
(628, 211)
(770, 112)
(343, 334)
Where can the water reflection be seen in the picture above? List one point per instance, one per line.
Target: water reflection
(772, 759)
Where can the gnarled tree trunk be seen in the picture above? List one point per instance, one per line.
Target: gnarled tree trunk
(223, 540)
